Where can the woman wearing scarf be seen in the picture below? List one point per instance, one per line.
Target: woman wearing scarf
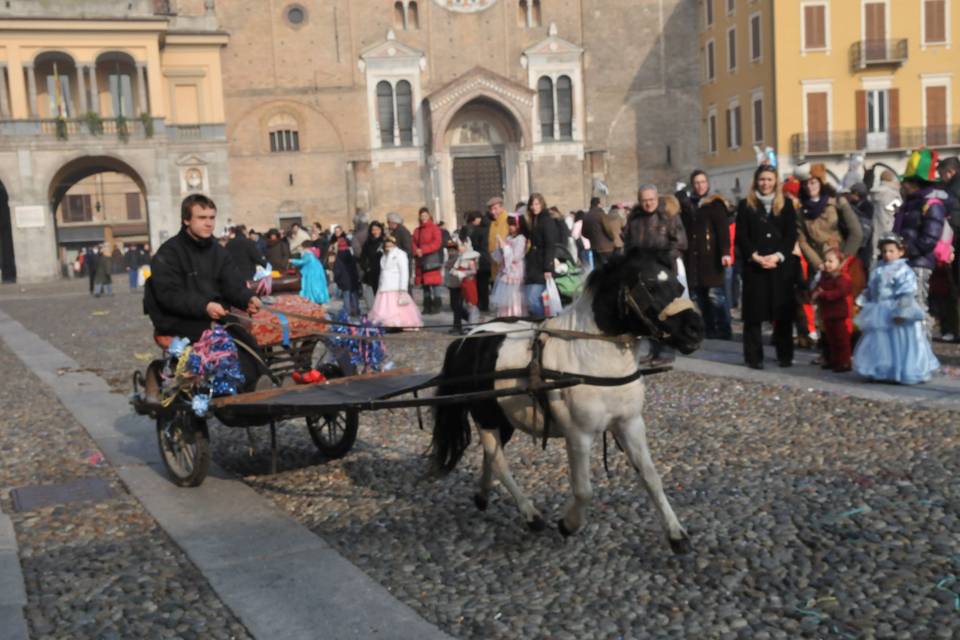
(826, 222)
(766, 234)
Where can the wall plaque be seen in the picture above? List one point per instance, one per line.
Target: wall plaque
(30, 217)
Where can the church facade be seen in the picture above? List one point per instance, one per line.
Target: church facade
(340, 106)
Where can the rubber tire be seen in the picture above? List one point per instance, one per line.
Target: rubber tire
(201, 443)
(340, 448)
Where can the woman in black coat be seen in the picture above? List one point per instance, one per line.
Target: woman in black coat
(538, 263)
(766, 235)
(370, 256)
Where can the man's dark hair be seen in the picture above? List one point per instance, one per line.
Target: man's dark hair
(594, 202)
(240, 229)
(186, 207)
(949, 164)
(473, 215)
(695, 173)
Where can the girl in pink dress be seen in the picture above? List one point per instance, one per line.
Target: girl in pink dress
(507, 297)
(393, 306)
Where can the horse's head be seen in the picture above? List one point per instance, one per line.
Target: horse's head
(639, 294)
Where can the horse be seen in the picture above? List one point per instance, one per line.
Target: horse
(634, 296)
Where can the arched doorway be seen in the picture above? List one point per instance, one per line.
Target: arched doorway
(483, 141)
(98, 200)
(8, 264)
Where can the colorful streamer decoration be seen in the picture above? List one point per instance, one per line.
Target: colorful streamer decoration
(367, 355)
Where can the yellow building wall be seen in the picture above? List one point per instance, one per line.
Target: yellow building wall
(794, 66)
(185, 59)
(750, 76)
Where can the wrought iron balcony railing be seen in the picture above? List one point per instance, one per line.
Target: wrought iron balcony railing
(866, 53)
(839, 142)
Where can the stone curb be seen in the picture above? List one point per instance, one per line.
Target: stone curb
(279, 578)
(13, 594)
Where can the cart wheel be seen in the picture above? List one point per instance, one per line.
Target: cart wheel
(184, 447)
(334, 433)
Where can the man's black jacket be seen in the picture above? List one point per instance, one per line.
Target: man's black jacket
(186, 275)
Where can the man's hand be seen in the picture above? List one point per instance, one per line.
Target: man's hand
(215, 310)
(548, 276)
(726, 261)
(254, 305)
(418, 253)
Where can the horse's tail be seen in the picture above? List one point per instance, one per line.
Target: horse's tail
(451, 427)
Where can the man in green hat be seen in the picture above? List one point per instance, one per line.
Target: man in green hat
(920, 220)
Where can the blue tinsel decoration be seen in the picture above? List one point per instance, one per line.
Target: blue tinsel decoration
(366, 355)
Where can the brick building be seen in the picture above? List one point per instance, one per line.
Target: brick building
(335, 106)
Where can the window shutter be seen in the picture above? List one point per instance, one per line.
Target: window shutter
(758, 120)
(814, 27)
(732, 49)
(860, 103)
(893, 114)
(936, 98)
(133, 206)
(935, 21)
(713, 133)
(738, 139)
(755, 37)
(729, 129)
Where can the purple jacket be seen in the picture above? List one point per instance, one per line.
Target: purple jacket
(920, 222)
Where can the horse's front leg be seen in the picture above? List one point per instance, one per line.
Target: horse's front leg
(578, 458)
(493, 452)
(632, 436)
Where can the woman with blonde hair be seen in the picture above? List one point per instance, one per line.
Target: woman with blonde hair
(766, 235)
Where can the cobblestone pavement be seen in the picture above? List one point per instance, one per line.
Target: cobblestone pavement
(92, 569)
(813, 515)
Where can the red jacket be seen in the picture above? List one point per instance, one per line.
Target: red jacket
(832, 299)
(428, 239)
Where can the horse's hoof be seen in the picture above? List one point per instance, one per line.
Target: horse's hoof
(537, 524)
(566, 533)
(682, 546)
(480, 501)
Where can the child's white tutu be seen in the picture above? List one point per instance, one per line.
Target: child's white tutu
(388, 311)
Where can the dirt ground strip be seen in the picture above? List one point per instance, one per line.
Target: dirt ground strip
(92, 569)
(813, 515)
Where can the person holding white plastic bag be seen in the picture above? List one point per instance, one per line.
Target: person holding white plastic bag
(539, 261)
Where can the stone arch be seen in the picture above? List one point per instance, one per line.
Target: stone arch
(480, 85)
(83, 165)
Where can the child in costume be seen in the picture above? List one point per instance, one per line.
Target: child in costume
(393, 306)
(894, 345)
(507, 297)
(830, 295)
(313, 277)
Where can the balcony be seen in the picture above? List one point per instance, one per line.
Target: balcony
(871, 53)
(104, 129)
(843, 142)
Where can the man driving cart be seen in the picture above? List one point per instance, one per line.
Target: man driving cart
(193, 283)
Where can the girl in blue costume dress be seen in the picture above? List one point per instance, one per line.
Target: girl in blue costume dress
(313, 277)
(894, 345)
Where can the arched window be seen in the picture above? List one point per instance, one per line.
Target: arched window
(405, 112)
(284, 133)
(545, 98)
(385, 113)
(399, 16)
(565, 107)
(413, 16)
(522, 9)
(535, 14)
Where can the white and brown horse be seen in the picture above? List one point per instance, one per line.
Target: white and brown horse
(636, 295)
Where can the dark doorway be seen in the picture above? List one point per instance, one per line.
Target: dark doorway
(476, 180)
(8, 263)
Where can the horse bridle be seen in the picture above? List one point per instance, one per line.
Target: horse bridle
(628, 300)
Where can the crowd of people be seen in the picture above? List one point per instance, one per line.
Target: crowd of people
(100, 263)
(866, 272)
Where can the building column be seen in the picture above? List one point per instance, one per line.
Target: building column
(142, 88)
(94, 93)
(32, 92)
(4, 107)
(82, 90)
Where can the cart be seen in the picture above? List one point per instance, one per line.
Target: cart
(287, 345)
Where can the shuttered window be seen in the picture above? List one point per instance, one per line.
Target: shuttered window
(565, 107)
(711, 70)
(817, 133)
(732, 49)
(77, 209)
(133, 206)
(712, 132)
(758, 119)
(936, 108)
(385, 112)
(815, 26)
(709, 8)
(545, 100)
(755, 48)
(934, 21)
(405, 112)
(733, 128)
(737, 129)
